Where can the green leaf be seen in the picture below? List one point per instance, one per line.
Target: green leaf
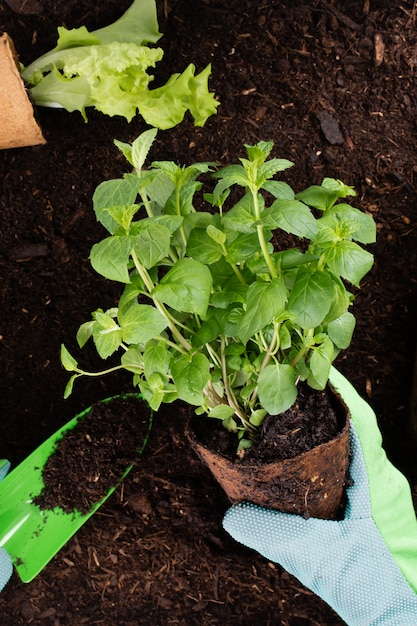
(84, 333)
(67, 360)
(69, 386)
(165, 106)
(318, 197)
(270, 168)
(347, 259)
(257, 417)
(216, 234)
(139, 24)
(123, 215)
(155, 357)
(152, 244)
(260, 151)
(291, 216)
(229, 175)
(264, 302)
(141, 147)
(129, 296)
(107, 334)
(341, 330)
(203, 248)
(310, 298)
(118, 192)
(230, 425)
(140, 323)
(276, 388)
(132, 360)
(73, 94)
(319, 363)
(221, 411)
(243, 247)
(190, 375)
(208, 332)
(363, 226)
(340, 301)
(284, 337)
(186, 287)
(279, 189)
(125, 149)
(110, 258)
(337, 185)
(241, 217)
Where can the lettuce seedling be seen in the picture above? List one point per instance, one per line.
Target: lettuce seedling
(108, 69)
(212, 312)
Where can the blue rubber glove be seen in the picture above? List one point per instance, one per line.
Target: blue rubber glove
(365, 566)
(6, 566)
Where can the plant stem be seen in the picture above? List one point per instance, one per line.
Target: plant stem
(272, 348)
(261, 236)
(101, 373)
(305, 347)
(159, 305)
(231, 400)
(178, 208)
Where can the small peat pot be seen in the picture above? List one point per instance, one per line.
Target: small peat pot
(18, 126)
(311, 484)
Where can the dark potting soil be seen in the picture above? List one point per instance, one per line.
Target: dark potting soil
(155, 552)
(92, 457)
(312, 420)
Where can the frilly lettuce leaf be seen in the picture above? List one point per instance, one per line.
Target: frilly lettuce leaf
(107, 69)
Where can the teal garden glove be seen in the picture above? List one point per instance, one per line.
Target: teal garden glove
(364, 566)
(6, 566)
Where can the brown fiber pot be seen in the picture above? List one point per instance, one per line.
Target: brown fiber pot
(18, 127)
(311, 484)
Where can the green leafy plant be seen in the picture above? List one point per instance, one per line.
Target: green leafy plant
(212, 312)
(107, 69)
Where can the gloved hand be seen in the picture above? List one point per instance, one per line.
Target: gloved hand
(6, 566)
(365, 566)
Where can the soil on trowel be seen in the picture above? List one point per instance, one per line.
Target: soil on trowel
(93, 456)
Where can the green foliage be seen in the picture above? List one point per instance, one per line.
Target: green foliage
(210, 312)
(108, 69)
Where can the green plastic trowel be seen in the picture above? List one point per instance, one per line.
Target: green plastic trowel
(32, 536)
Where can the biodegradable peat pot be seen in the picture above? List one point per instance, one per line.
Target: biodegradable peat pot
(18, 127)
(311, 484)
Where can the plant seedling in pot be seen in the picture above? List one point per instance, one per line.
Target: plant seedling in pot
(212, 313)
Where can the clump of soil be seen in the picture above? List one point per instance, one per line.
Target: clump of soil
(92, 457)
(311, 421)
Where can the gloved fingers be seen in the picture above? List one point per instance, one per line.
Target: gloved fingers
(4, 468)
(271, 533)
(6, 568)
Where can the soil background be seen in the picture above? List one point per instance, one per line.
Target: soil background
(155, 553)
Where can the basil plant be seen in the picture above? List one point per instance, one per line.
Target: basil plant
(214, 311)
